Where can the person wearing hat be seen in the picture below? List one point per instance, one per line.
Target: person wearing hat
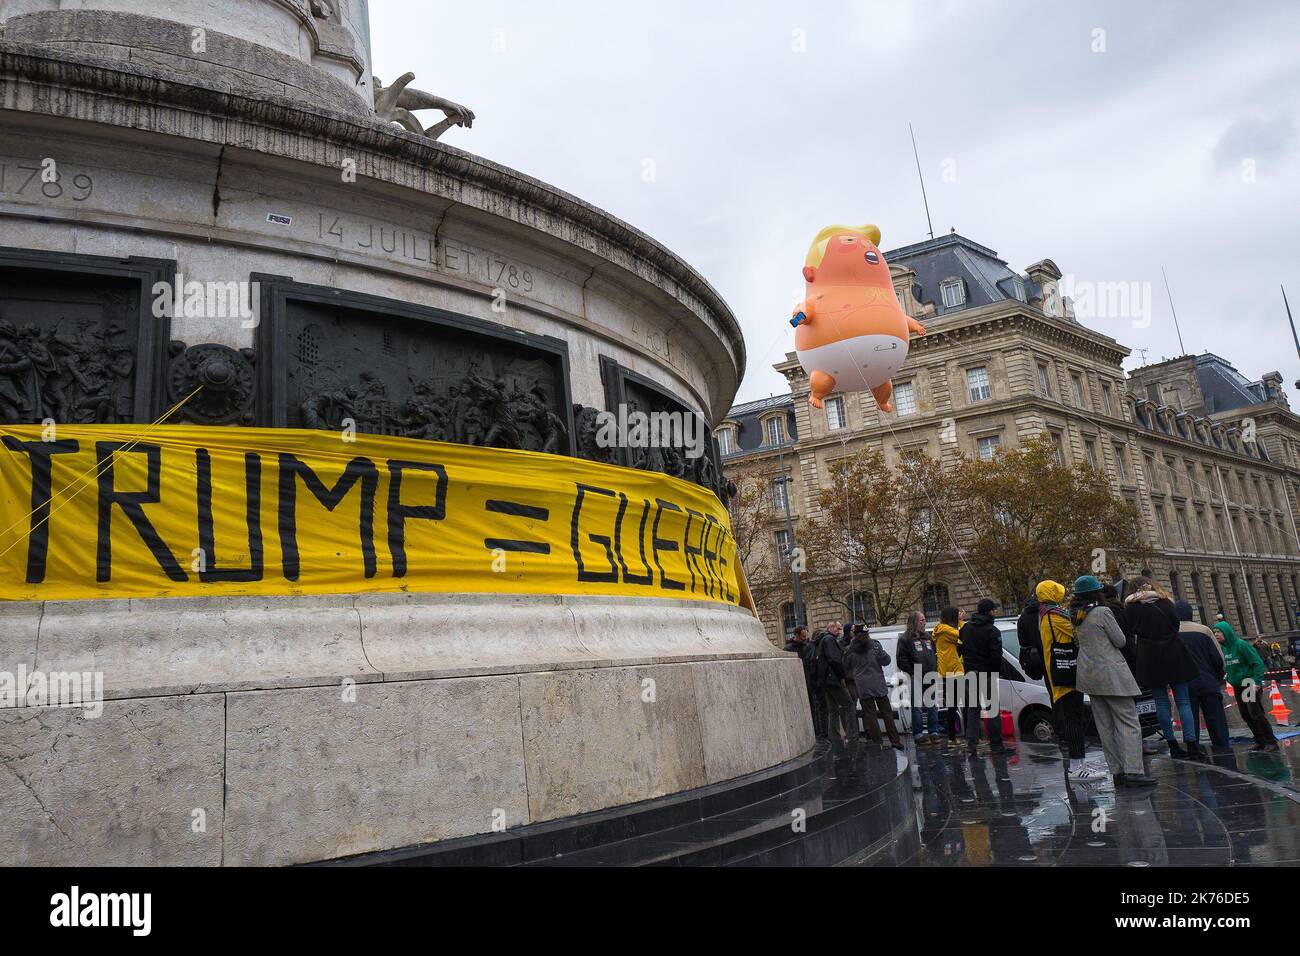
(1103, 675)
(1056, 632)
(981, 655)
(1245, 672)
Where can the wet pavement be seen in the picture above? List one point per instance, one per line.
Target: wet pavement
(1021, 810)
(1284, 768)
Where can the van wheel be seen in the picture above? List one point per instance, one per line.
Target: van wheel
(1036, 725)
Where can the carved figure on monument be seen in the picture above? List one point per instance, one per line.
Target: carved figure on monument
(460, 405)
(424, 417)
(327, 408)
(397, 103)
(13, 364)
(474, 427)
(587, 427)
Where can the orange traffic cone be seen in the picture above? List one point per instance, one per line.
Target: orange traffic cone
(1295, 680)
(1278, 710)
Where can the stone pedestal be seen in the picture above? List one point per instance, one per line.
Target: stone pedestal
(297, 728)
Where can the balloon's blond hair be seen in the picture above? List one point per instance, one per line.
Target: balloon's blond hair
(818, 248)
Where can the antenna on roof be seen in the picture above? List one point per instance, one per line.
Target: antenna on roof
(1292, 321)
(1181, 349)
(1143, 354)
(922, 178)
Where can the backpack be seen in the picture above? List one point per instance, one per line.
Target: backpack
(1063, 658)
(823, 666)
(1031, 661)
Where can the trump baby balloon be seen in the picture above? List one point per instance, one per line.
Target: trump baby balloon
(850, 332)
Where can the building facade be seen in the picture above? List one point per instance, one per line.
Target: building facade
(1210, 459)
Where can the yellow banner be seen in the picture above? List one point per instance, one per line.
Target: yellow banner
(99, 511)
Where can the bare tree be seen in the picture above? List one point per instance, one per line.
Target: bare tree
(1029, 517)
(882, 527)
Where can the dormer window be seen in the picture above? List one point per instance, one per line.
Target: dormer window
(774, 429)
(726, 440)
(1050, 303)
(954, 293)
(1018, 289)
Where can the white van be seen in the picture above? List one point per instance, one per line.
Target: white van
(1028, 700)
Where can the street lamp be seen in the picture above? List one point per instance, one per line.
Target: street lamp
(786, 482)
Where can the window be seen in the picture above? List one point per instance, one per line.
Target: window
(1236, 599)
(780, 496)
(863, 608)
(1200, 598)
(1044, 382)
(783, 549)
(1175, 586)
(1183, 529)
(934, 599)
(1077, 384)
(1105, 399)
(1090, 449)
(835, 413)
(1058, 448)
(904, 399)
(1049, 301)
(977, 383)
(726, 441)
(775, 431)
(1121, 466)
(1018, 289)
(954, 293)
(924, 524)
(988, 447)
(789, 619)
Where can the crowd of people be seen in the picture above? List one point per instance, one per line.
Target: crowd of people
(1089, 639)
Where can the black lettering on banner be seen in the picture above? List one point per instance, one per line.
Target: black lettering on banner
(711, 557)
(724, 589)
(398, 512)
(692, 553)
(517, 509)
(131, 503)
(583, 574)
(252, 519)
(658, 544)
(38, 537)
(643, 579)
(358, 469)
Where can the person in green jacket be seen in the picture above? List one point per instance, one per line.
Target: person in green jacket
(1246, 675)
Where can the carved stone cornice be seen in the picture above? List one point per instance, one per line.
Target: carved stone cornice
(150, 98)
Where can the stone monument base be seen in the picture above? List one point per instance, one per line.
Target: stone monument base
(306, 728)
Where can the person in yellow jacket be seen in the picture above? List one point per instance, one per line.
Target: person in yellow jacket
(1056, 628)
(947, 645)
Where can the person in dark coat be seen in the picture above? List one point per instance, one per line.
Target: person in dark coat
(799, 644)
(1110, 597)
(831, 677)
(1163, 660)
(1027, 624)
(1206, 689)
(866, 659)
(918, 661)
(981, 655)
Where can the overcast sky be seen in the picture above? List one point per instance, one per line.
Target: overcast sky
(1173, 138)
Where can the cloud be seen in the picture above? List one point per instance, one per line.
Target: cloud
(1108, 163)
(1263, 139)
